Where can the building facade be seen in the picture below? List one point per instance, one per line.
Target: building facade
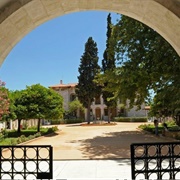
(99, 110)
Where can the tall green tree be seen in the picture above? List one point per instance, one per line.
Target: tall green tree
(146, 62)
(43, 103)
(108, 64)
(87, 89)
(75, 106)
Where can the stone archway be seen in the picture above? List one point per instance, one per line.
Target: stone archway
(18, 18)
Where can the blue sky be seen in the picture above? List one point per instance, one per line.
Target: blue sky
(52, 51)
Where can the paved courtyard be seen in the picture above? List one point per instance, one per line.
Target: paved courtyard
(94, 152)
(95, 142)
(77, 142)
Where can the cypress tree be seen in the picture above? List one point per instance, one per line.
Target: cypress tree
(108, 64)
(87, 89)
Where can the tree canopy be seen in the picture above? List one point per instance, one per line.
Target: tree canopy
(20, 103)
(74, 106)
(87, 89)
(4, 101)
(108, 64)
(37, 102)
(146, 63)
(43, 103)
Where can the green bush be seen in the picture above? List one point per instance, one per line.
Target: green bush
(130, 119)
(147, 127)
(4, 133)
(151, 128)
(54, 122)
(30, 137)
(174, 128)
(171, 123)
(1, 136)
(52, 129)
(73, 121)
(14, 137)
(13, 142)
(38, 134)
(23, 138)
(19, 140)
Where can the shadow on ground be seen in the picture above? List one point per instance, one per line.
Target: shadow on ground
(113, 145)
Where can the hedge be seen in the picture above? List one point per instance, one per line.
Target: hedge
(55, 122)
(71, 121)
(130, 119)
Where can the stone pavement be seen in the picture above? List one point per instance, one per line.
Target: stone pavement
(92, 169)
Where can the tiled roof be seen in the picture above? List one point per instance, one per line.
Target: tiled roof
(64, 85)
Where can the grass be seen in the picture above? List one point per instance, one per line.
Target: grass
(26, 132)
(8, 141)
(13, 137)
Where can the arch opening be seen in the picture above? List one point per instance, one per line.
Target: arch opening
(23, 17)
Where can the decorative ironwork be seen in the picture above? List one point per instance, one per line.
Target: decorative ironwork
(155, 160)
(26, 162)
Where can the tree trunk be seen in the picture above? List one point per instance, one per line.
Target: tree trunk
(88, 112)
(38, 125)
(177, 119)
(109, 115)
(19, 126)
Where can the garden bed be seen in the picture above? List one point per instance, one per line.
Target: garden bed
(12, 137)
(173, 130)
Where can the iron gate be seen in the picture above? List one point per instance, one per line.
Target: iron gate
(155, 160)
(26, 162)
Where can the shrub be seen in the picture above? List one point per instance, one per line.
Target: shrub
(4, 132)
(23, 138)
(171, 123)
(13, 142)
(147, 127)
(1, 136)
(174, 128)
(30, 137)
(130, 119)
(72, 121)
(55, 128)
(54, 122)
(151, 128)
(52, 129)
(25, 135)
(37, 134)
(19, 140)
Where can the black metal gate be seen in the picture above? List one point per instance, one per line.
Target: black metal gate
(26, 162)
(155, 160)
